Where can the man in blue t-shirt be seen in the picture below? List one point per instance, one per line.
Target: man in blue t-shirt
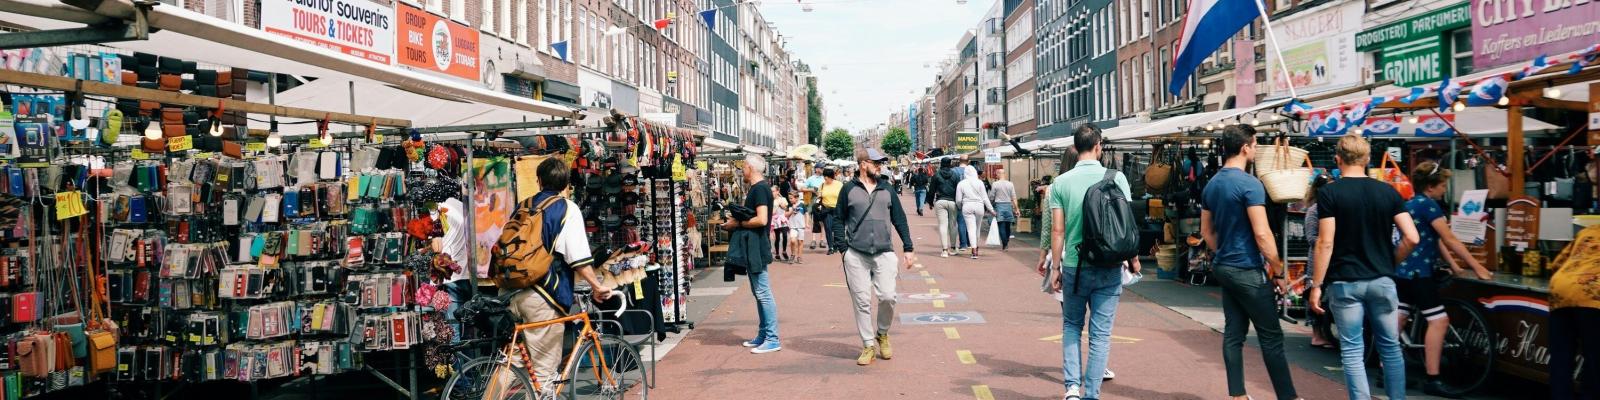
(1234, 222)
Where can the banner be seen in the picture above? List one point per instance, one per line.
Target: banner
(1435, 125)
(1511, 32)
(437, 44)
(359, 28)
(1381, 126)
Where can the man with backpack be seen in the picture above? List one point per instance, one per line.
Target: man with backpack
(1233, 219)
(541, 249)
(867, 208)
(1091, 235)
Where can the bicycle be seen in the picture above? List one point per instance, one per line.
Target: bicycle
(1468, 354)
(600, 366)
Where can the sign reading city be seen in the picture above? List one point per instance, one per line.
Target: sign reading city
(966, 142)
(1512, 31)
(359, 28)
(437, 44)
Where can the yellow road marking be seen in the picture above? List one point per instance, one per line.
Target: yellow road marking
(930, 281)
(981, 392)
(1114, 339)
(923, 273)
(933, 291)
(837, 285)
(966, 357)
(938, 304)
(950, 333)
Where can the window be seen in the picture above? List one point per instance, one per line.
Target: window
(229, 10)
(543, 21)
(1143, 15)
(487, 24)
(586, 35)
(1461, 52)
(505, 19)
(521, 15)
(458, 10)
(566, 21)
(430, 5)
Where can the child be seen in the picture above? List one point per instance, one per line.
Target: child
(797, 228)
(780, 227)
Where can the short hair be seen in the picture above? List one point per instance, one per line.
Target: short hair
(1429, 174)
(553, 174)
(1234, 138)
(1085, 137)
(830, 173)
(944, 163)
(1354, 149)
(756, 161)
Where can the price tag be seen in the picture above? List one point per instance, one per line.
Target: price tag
(256, 146)
(139, 154)
(194, 338)
(180, 143)
(69, 204)
(122, 367)
(203, 154)
(377, 139)
(317, 143)
(638, 292)
(222, 177)
(700, 165)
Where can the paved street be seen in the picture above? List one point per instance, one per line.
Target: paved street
(1008, 348)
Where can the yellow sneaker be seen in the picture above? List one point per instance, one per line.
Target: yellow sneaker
(867, 353)
(883, 347)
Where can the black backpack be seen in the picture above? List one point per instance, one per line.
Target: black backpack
(1110, 233)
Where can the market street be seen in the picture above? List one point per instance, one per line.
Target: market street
(1007, 348)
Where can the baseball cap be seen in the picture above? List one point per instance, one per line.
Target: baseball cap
(874, 154)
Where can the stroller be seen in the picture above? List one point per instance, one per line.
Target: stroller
(1199, 261)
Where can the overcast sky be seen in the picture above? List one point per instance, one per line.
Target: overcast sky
(868, 55)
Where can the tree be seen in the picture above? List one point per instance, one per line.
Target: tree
(813, 113)
(838, 144)
(897, 142)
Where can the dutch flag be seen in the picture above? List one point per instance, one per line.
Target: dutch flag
(1208, 24)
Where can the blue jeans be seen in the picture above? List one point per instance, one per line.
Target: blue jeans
(922, 194)
(961, 226)
(766, 307)
(1092, 291)
(1375, 302)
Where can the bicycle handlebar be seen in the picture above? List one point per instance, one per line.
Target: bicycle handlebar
(620, 295)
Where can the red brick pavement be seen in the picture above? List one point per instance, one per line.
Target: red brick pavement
(1157, 353)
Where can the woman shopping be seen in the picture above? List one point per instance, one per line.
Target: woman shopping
(974, 202)
(1419, 292)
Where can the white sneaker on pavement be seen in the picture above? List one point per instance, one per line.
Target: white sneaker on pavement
(1072, 394)
(1109, 375)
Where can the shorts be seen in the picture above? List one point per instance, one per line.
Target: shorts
(1421, 293)
(797, 233)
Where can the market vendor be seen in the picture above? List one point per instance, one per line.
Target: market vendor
(1575, 315)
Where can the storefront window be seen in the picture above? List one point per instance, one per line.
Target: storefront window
(1461, 51)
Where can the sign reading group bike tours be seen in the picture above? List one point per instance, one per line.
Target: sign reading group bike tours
(359, 28)
(437, 44)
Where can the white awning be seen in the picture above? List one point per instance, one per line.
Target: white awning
(712, 143)
(193, 36)
(381, 100)
(1178, 124)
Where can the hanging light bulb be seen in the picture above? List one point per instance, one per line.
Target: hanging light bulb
(1552, 92)
(1206, 142)
(216, 128)
(274, 139)
(1254, 121)
(1412, 120)
(153, 131)
(1459, 106)
(1357, 131)
(1504, 101)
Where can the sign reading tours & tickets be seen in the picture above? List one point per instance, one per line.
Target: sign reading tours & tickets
(436, 44)
(1512, 31)
(359, 28)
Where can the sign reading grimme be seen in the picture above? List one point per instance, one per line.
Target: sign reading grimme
(359, 28)
(1512, 31)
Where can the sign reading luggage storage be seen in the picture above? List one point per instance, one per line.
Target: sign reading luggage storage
(436, 44)
(359, 28)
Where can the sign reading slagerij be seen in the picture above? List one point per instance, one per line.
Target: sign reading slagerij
(359, 28)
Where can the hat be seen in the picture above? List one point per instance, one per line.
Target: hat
(873, 154)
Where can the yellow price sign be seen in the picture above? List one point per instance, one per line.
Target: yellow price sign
(317, 143)
(202, 155)
(139, 154)
(256, 146)
(222, 177)
(180, 143)
(69, 204)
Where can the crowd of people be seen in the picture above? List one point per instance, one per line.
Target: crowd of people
(1371, 262)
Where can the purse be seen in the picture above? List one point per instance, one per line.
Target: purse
(1159, 173)
(1498, 183)
(1389, 172)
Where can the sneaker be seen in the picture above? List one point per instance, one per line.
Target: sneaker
(1109, 375)
(766, 347)
(754, 342)
(883, 347)
(867, 354)
(1072, 393)
(945, 254)
(1435, 387)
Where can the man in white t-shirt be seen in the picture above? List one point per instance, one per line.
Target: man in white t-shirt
(554, 298)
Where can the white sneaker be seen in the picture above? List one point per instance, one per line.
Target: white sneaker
(1072, 394)
(945, 254)
(1109, 375)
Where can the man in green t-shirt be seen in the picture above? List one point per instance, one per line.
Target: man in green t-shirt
(1091, 291)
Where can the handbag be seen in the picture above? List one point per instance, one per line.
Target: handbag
(1498, 183)
(1389, 172)
(1159, 173)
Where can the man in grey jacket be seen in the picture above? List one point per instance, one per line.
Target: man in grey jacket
(866, 210)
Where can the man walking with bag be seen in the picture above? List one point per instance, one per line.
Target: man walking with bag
(1355, 263)
(867, 209)
(1233, 219)
(1090, 278)
(759, 253)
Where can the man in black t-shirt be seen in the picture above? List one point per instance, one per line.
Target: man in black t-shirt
(1355, 263)
(755, 233)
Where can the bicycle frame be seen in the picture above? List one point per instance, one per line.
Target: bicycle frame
(586, 334)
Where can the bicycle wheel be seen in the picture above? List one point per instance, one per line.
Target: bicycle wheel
(623, 373)
(1468, 349)
(485, 378)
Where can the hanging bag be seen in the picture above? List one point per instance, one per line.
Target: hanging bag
(1159, 173)
(1389, 172)
(1496, 180)
(1287, 185)
(1279, 156)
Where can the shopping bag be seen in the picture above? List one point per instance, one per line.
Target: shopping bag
(1390, 172)
(994, 232)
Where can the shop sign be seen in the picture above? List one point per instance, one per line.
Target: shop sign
(1318, 49)
(991, 156)
(1428, 25)
(1412, 63)
(1511, 31)
(437, 44)
(1518, 327)
(359, 28)
(966, 142)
